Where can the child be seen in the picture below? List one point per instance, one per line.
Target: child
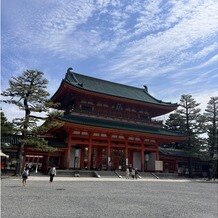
(25, 175)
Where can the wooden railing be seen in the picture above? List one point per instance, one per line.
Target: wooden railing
(117, 115)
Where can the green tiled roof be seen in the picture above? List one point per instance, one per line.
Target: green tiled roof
(111, 88)
(178, 153)
(9, 140)
(173, 152)
(118, 125)
(54, 142)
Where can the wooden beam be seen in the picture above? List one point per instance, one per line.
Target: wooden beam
(69, 148)
(109, 150)
(90, 150)
(142, 155)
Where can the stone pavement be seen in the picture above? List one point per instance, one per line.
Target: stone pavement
(39, 177)
(107, 197)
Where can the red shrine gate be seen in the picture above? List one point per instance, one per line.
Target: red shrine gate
(99, 148)
(107, 125)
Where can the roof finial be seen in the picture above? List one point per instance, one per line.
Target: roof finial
(69, 70)
(146, 88)
(69, 74)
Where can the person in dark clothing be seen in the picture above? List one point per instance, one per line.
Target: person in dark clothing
(25, 175)
(210, 173)
(100, 166)
(136, 173)
(133, 173)
(52, 173)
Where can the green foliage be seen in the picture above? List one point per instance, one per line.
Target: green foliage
(194, 122)
(7, 128)
(190, 114)
(50, 123)
(211, 115)
(175, 122)
(187, 119)
(29, 93)
(38, 143)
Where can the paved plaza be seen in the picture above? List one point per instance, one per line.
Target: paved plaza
(108, 197)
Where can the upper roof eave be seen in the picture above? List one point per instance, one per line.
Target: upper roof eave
(111, 89)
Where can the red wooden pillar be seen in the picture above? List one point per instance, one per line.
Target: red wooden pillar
(126, 151)
(142, 155)
(82, 158)
(109, 152)
(99, 157)
(68, 153)
(23, 161)
(90, 150)
(157, 153)
(47, 162)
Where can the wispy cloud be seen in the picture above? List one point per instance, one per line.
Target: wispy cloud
(174, 50)
(168, 45)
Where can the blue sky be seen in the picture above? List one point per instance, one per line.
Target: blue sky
(170, 46)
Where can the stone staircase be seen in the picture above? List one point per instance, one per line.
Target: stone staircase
(107, 174)
(88, 173)
(122, 174)
(113, 174)
(143, 175)
(76, 173)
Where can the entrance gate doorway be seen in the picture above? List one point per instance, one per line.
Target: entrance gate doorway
(34, 162)
(118, 159)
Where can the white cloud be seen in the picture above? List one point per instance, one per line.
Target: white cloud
(203, 97)
(12, 112)
(164, 51)
(205, 51)
(138, 42)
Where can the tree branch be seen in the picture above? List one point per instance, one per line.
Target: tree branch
(42, 118)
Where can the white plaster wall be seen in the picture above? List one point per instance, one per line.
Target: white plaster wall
(75, 153)
(151, 162)
(137, 160)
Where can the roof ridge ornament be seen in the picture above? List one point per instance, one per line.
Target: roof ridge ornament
(70, 77)
(146, 88)
(69, 74)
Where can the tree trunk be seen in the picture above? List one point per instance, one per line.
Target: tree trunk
(20, 150)
(19, 160)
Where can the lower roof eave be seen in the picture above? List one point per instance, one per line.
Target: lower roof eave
(160, 137)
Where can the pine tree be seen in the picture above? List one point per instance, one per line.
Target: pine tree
(7, 127)
(211, 114)
(194, 121)
(28, 92)
(175, 122)
(193, 126)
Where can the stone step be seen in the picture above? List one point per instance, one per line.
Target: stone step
(104, 173)
(76, 173)
(114, 174)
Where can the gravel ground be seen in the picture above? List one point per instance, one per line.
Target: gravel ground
(108, 198)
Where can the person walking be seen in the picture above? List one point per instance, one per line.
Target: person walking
(133, 173)
(25, 175)
(127, 172)
(136, 173)
(52, 173)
